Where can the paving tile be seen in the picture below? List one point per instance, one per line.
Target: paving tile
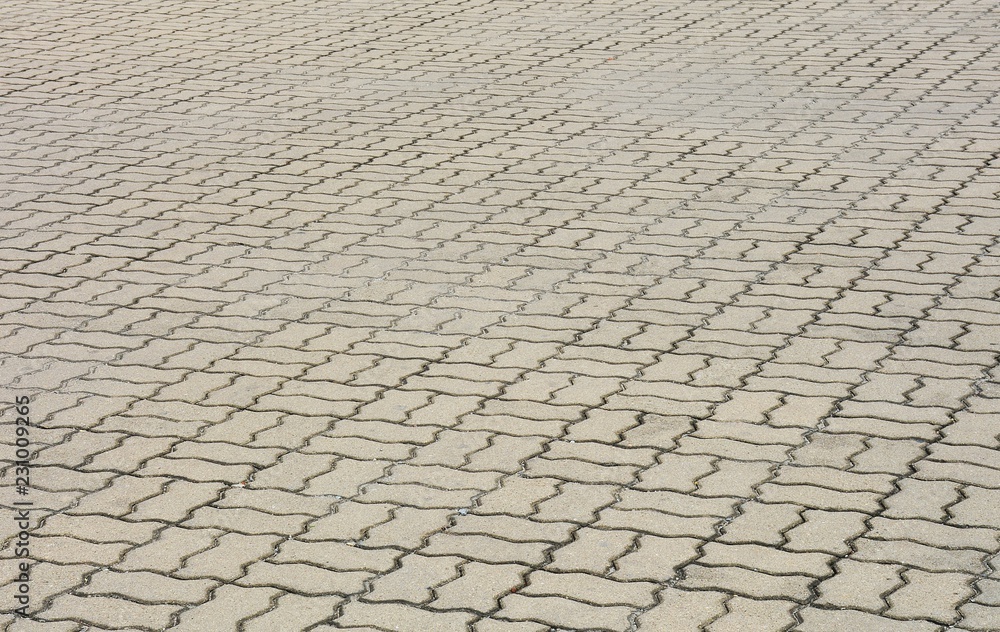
(860, 585)
(561, 612)
(493, 625)
(816, 620)
(304, 579)
(147, 587)
(169, 551)
(770, 615)
(110, 612)
(919, 555)
(486, 549)
(762, 524)
(977, 617)
(746, 582)
(828, 531)
(120, 497)
(227, 608)
(478, 587)
(390, 616)
(589, 589)
(932, 596)
(515, 529)
(100, 529)
(415, 580)
(246, 521)
(69, 550)
(295, 611)
(351, 521)
(683, 610)
(335, 556)
(344, 478)
(973, 508)
(228, 556)
(47, 581)
(766, 559)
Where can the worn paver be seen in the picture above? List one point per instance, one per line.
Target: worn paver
(485, 316)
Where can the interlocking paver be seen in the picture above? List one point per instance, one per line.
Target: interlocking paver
(304, 579)
(684, 611)
(478, 587)
(111, 613)
(228, 607)
(816, 620)
(294, 611)
(415, 580)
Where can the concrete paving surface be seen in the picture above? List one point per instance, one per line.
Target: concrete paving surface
(500, 315)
